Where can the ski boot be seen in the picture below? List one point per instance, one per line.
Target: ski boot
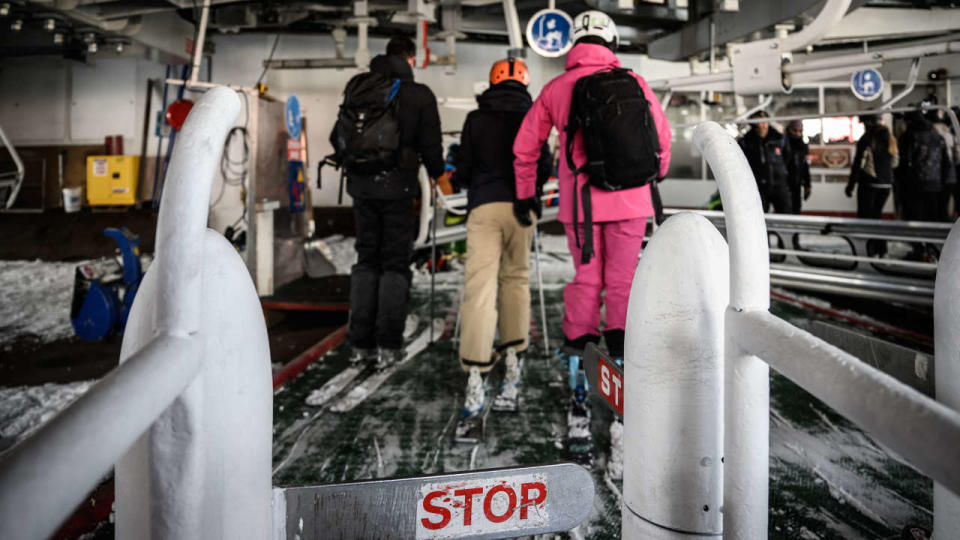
(469, 428)
(388, 357)
(579, 439)
(361, 355)
(507, 399)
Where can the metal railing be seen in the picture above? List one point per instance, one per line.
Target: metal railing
(187, 415)
(714, 329)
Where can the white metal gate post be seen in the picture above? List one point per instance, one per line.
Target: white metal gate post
(203, 469)
(946, 317)
(746, 381)
(673, 408)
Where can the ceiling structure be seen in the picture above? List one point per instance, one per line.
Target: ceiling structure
(674, 30)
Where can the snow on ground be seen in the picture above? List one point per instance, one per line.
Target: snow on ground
(25, 408)
(35, 299)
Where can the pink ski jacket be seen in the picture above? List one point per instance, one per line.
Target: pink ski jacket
(551, 109)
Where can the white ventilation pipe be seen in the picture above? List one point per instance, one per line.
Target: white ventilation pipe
(747, 384)
(673, 415)
(946, 318)
(829, 16)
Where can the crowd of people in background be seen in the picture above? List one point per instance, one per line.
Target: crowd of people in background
(918, 168)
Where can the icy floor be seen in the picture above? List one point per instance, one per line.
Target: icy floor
(24, 408)
(828, 479)
(35, 299)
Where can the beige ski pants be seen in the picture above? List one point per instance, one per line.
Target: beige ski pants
(496, 282)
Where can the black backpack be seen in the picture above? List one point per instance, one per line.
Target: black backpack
(367, 133)
(926, 157)
(619, 137)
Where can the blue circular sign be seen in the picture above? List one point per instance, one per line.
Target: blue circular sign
(292, 117)
(867, 85)
(550, 33)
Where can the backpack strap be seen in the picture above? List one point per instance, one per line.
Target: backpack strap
(587, 252)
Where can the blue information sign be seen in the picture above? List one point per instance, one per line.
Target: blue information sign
(550, 33)
(867, 84)
(292, 117)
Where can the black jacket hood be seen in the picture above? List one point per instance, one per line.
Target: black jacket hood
(506, 96)
(392, 66)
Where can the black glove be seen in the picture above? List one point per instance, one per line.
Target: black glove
(849, 190)
(522, 209)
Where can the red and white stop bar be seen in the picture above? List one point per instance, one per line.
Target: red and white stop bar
(604, 376)
(495, 503)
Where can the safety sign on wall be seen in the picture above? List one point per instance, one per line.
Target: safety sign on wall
(292, 117)
(550, 33)
(867, 85)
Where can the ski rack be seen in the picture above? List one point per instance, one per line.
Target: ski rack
(11, 179)
(852, 271)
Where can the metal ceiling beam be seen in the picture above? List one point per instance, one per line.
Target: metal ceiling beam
(694, 38)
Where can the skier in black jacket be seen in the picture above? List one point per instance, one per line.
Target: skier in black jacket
(496, 278)
(384, 217)
(797, 167)
(765, 150)
(925, 175)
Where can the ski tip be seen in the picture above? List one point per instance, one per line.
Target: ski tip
(439, 325)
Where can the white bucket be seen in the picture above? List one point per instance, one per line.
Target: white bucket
(72, 199)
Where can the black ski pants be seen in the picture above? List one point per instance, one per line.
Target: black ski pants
(380, 281)
(777, 195)
(921, 206)
(870, 201)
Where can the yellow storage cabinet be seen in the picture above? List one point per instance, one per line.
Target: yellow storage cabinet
(112, 180)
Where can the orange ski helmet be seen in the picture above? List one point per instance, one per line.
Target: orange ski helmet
(511, 69)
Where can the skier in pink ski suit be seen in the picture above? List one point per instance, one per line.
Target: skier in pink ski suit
(619, 217)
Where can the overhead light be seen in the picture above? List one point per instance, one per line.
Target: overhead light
(50, 25)
(16, 25)
(119, 47)
(90, 37)
(58, 38)
(92, 47)
(4, 9)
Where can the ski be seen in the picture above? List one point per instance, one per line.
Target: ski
(340, 381)
(362, 391)
(579, 443)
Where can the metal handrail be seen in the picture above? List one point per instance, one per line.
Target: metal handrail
(897, 415)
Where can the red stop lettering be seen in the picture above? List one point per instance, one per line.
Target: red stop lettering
(467, 495)
(488, 500)
(526, 501)
(434, 509)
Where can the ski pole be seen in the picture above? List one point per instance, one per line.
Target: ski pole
(543, 309)
(433, 257)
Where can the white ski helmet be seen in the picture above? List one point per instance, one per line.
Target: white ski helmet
(595, 23)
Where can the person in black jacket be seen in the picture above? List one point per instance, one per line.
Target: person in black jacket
(872, 169)
(384, 217)
(765, 150)
(798, 170)
(499, 230)
(925, 175)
